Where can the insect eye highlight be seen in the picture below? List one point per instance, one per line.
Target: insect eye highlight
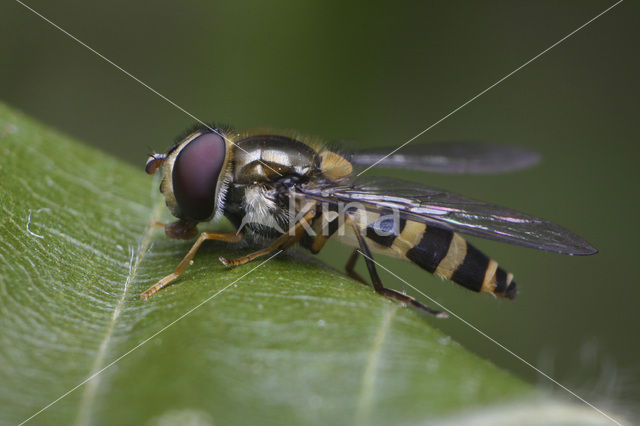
(195, 176)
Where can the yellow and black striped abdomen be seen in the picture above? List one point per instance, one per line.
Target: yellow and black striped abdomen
(439, 251)
(446, 254)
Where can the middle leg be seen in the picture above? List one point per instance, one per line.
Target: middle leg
(283, 242)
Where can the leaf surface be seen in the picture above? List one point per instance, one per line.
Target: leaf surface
(289, 342)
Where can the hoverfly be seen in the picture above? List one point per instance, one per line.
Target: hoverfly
(253, 178)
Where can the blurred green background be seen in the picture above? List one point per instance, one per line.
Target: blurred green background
(379, 73)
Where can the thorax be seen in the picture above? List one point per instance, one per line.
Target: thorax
(265, 168)
(269, 158)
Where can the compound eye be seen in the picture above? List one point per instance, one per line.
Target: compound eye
(195, 176)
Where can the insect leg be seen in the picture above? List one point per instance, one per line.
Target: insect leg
(279, 242)
(186, 261)
(349, 267)
(377, 282)
(283, 242)
(178, 230)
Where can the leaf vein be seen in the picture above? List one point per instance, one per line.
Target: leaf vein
(365, 401)
(90, 391)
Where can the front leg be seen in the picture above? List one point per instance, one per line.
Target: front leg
(178, 230)
(188, 259)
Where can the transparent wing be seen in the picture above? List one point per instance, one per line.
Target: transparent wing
(450, 157)
(451, 211)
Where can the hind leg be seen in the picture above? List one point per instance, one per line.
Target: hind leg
(349, 267)
(375, 278)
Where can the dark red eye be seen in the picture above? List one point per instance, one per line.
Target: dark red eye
(195, 176)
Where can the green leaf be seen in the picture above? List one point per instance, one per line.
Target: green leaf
(287, 342)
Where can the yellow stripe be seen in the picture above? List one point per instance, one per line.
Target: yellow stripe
(454, 258)
(410, 236)
(489, 282)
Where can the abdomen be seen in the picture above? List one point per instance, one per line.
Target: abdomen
(436, 250)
